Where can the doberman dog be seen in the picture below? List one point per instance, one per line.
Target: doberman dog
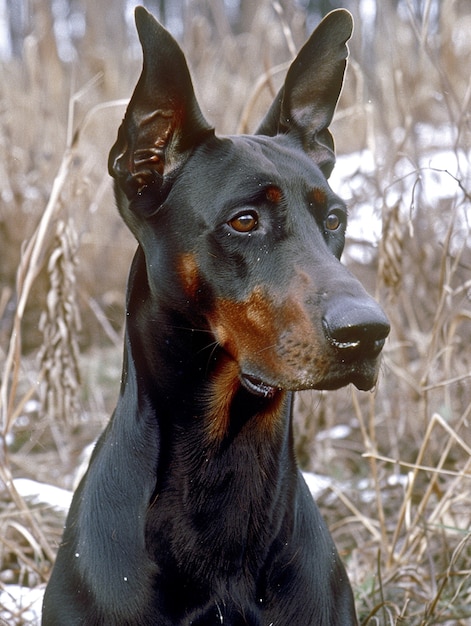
(193, 510)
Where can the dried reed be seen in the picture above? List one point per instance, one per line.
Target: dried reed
(399, 504)
(60, 326)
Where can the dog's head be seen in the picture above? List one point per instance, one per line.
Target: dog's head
(243, 235)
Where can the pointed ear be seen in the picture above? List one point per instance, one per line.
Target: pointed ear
(306, 103)
(163, 121)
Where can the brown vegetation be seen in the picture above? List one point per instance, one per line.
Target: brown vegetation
(399, 503)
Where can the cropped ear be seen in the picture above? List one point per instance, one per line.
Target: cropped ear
(163, 121)
(306, 103)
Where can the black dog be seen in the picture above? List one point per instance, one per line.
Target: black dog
(193, 510)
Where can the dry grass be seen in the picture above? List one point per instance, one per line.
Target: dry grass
(399, 505)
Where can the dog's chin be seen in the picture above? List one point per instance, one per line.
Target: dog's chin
(362, 375)
(363, 378)
(363, 383)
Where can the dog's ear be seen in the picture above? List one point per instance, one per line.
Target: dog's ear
(306, 103)
(163, 121)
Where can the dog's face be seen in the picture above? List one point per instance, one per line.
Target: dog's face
(243, 235)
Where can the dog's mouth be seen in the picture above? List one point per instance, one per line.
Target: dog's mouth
(257, 387)
(362, 375)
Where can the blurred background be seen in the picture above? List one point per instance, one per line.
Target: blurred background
(391, 469)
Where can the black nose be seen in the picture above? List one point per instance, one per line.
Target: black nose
(356, 327)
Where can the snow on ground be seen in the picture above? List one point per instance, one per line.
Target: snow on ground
(20, 605)
(439, 176)
(41, 493)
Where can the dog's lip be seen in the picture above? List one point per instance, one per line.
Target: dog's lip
(362, 375)
(258, 387)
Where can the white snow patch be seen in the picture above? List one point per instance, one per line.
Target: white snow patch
(16, 601)
(439, 176)
(340, 431)
(42, 493)
(316, 483)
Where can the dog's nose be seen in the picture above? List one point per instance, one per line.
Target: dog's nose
(356, 327)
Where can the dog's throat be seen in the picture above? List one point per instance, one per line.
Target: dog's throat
(257, 387)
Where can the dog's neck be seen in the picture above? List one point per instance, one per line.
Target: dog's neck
(214, 437)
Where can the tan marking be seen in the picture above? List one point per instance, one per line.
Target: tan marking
(224, 386)
(269, 421)
(275, 337)
(318, 197)
(189, 274)
(245, 328)
(274, 194)
(274, 340)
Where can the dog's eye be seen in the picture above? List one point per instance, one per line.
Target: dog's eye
(244, 222)
(333, 221)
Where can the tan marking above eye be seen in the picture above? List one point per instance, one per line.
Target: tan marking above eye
(244, 222)
(318, 197)
(273, 194)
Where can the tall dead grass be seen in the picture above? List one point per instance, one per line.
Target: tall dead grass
(399, 459)
(405, 520)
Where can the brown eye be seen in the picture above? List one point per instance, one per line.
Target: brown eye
(332, 221)
(244, 222)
